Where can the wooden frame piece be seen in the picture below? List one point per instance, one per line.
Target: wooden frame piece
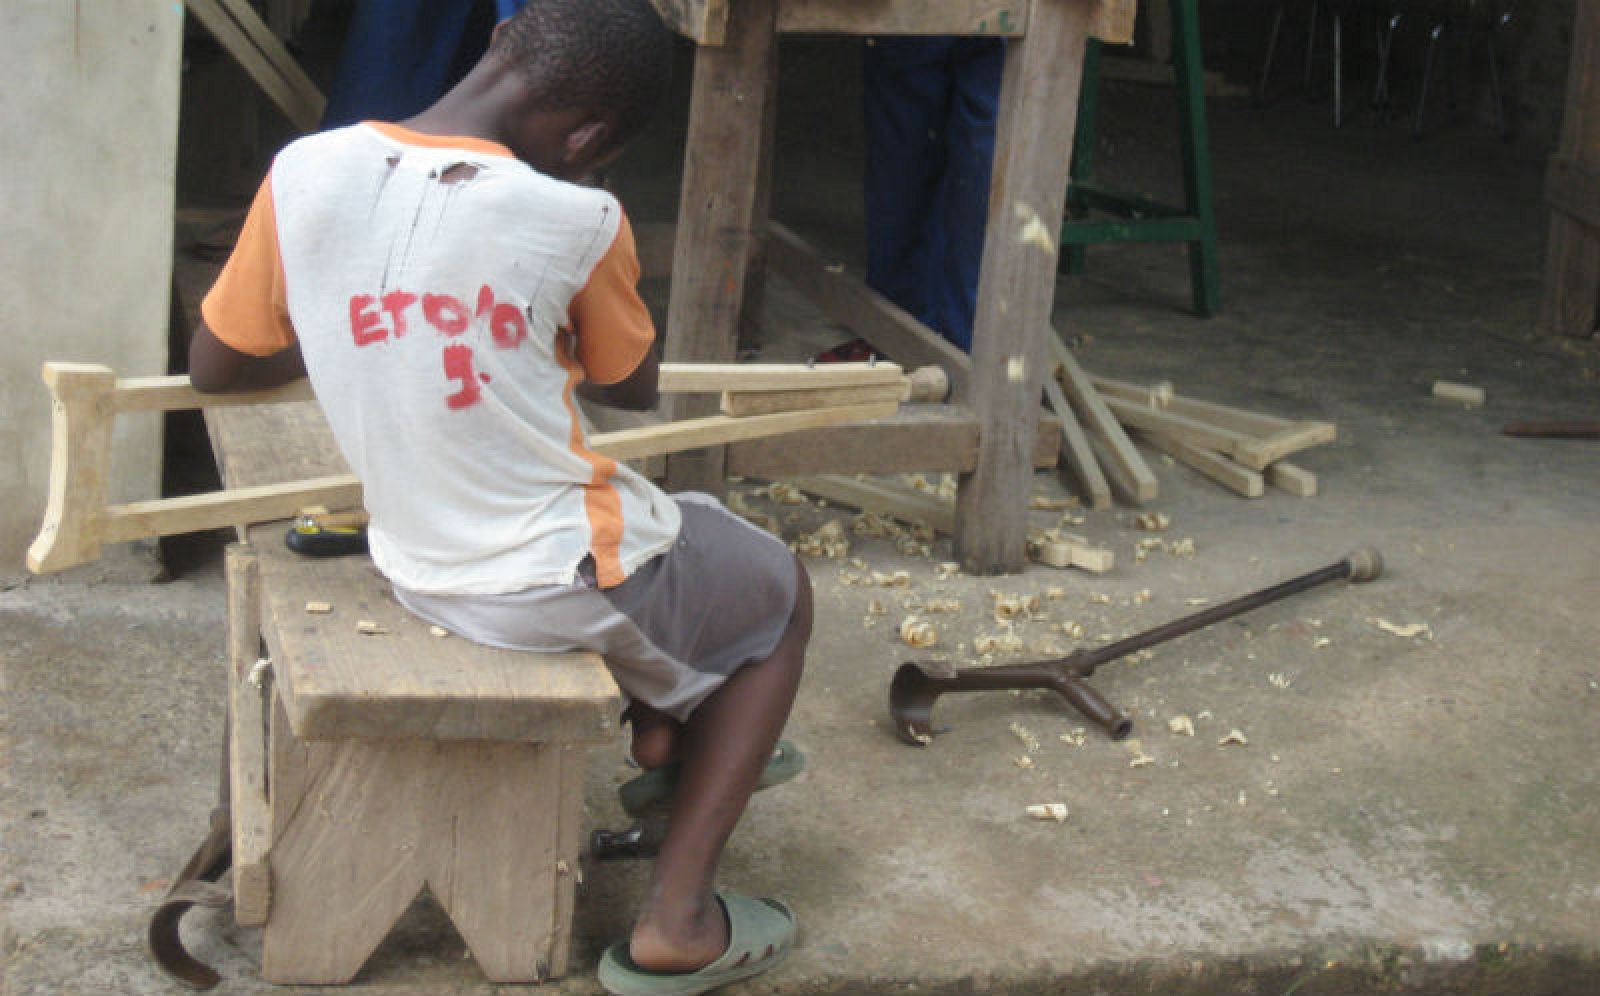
(1076, 451)
(79, 521)
(1235, 477)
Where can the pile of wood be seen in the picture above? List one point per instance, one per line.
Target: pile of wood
(1101, 418)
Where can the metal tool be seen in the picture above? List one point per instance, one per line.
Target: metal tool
(324, 535)
(918, 685)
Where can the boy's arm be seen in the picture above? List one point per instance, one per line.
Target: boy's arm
(217, 368)
(637, 392)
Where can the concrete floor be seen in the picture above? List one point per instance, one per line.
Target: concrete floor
(1410, 813)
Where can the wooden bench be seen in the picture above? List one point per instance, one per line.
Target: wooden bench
(371, 756)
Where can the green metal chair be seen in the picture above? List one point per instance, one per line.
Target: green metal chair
(1136, 218)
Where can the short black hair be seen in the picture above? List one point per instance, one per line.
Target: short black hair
(613, 55)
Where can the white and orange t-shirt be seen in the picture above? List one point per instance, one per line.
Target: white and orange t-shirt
(448, 299)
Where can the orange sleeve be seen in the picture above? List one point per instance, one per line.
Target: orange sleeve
(248, 308)
(614, 329)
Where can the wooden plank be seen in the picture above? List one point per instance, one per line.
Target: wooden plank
(1263, 453)
(705, 22)
(250, 813)
(240, 32)
(742, 404)
(846, 300)
(1076, 451)
(220, 509)
(1123, 465)
(717, 220)
(1275, 437)
(1293, 478)
(405, 682)
(889, 17)
(880, 497)
(1219, 468)
(1016, 287)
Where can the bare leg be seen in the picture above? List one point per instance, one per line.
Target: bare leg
(655, 736)
(725, 745)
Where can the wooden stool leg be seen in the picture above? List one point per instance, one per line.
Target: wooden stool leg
(1189, 70)
(364, 825)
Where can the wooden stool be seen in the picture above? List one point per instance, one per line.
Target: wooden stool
(391, 759)
(1139, 218)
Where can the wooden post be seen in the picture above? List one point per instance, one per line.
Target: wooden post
(1016, 290)
(1572, 262)
(718, 221)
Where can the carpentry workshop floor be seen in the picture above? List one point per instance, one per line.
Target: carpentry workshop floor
(1387, 787)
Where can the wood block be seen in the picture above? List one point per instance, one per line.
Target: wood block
(250, 815)
(1062, 550)
(1467, 394)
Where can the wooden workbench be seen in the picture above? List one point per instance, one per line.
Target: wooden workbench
(724, 239)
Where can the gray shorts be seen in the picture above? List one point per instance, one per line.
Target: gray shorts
(673, 632)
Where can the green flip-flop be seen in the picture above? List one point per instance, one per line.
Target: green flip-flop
(760, 934)
(643, 793)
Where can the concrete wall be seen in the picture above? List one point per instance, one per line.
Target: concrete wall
(90, 111)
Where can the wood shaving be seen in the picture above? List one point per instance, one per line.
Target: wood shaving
(1233, 737)
(1009, 607)
(1181, 725)
(829, 541)
(439, 631)
(897, 579)
(1073, 630)
(1152, 522)
(319, 608)
(366, 627)
(1024, 762)
(1049, 811)
(918, 632)
(1043, 503)
(1077, 738)
(1278, 679)
(946, 570)
(786, 494)
(942, 606)
(1055, 593)
(1005, 642)
(1025, 735)
(1408, 630)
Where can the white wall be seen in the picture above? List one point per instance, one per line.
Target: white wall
(89, 112)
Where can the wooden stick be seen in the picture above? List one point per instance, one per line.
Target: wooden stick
(741, 404)
(1076, 451)
(1219, 468)
(1124, 466)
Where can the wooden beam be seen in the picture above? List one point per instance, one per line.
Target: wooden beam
(850, 302)
(683, 378)
(885, 17)
(919, 438)
(882, 498)
(1293, 478)
(716, 430)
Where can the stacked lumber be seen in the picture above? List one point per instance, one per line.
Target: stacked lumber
(1102, 419)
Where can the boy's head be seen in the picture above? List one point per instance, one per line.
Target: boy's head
(602, 64)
